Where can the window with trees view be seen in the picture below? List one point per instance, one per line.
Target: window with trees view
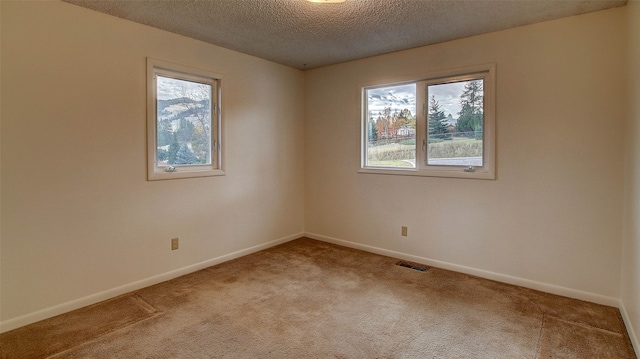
(440, 126)
(183, 121)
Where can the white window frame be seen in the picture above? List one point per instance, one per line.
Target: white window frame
(488, 168)
(167, 69)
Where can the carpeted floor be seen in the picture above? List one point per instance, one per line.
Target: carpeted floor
(308, 299)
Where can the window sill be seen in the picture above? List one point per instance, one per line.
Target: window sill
(454, 173)
(163, 175)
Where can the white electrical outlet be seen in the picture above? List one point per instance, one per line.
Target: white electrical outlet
(404, 231)
(175, 243)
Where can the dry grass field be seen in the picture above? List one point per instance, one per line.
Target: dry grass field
(403, 154)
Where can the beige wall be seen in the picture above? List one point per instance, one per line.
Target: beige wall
(553, 215)
(79, 216)
(630, 287)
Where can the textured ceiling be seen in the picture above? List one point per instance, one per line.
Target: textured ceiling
(307, 35)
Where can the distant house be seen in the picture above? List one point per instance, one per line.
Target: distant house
(406, 131)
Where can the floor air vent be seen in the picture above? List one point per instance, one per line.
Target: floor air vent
(421, 268)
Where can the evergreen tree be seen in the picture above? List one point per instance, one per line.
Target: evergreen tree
(437, 124)
(373, 131)
(163, 154)
(185, 131)
(185, 156)
(173, 150)
(165, 131)
(471, 113)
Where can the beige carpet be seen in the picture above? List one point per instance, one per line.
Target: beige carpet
(308, 299)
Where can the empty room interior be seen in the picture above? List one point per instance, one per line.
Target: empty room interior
(288, 245)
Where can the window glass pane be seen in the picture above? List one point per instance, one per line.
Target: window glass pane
(391, 126)
(184, 122)
(455, 114)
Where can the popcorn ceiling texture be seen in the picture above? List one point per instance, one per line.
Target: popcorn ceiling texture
(307, 35)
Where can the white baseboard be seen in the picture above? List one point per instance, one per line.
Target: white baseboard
(26, 319)
(543, 287)
(632, 333)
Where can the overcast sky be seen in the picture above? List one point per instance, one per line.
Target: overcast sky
(396, 97)
(169, 88)
(404, 96)
(448, 95)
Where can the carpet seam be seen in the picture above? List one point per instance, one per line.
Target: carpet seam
(88, 342)
(586, 326)
(539, 342)
(140, 302)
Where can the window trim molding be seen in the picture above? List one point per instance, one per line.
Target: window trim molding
(487, 171)
(154, 172)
